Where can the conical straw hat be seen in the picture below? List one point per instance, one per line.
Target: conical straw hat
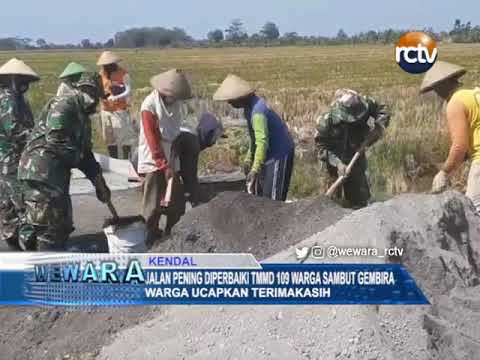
(72, 69)
(232, 88)
(172, 83)
(18, 67)
(440, 72)
(107, 58)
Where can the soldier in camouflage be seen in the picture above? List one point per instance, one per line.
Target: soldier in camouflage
(16, 122)
(353, 121)
(60, 141)
(70, 75)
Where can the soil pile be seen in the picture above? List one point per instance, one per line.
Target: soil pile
(238, 222)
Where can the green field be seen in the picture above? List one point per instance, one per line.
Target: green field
(299, 83)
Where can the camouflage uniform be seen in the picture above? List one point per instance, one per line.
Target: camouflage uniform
(59, 142)
(16, 122)
(351, 121)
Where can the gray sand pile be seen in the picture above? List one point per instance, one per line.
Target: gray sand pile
(238, 222)
(34, 334)
(441, 238)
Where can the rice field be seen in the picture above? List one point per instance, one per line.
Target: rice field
(299, 83)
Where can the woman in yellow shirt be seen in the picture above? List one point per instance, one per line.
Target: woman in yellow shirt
(463, 118)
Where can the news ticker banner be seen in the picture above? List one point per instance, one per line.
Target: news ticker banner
(89, 280)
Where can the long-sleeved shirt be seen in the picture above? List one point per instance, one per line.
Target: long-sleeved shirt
(342, 130)
(16, 123)
(154, 138)
(117, 86)
(269, 135)
(127, 90)
(60, 142)
(159, 128)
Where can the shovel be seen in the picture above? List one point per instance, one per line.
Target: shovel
(112, 210)
(168, 194)
(341, 179)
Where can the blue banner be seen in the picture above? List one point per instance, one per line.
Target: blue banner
(139, 281)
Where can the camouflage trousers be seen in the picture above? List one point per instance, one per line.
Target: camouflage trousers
(47, 220)
(11, 210)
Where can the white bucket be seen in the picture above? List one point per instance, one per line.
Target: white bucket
(127, 238)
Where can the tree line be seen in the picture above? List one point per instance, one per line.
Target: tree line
(236, 35)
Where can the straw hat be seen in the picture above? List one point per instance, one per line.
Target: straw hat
(440, 72)
(72, 69)
(172, 83)
(232, 88)
(107, 58)
(18, 67)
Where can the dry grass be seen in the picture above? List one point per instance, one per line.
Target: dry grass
(298, 83)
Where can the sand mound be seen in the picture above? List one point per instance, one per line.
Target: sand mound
(228, 223)
(441, 237)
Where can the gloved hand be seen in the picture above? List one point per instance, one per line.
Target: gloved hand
(246, 168)
(341, 169)
(252, 178)
(440, 183)
(101, 188)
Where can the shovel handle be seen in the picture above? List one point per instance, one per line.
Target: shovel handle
(341, 179)
(350, 166)
(168, 194)
(112, 209)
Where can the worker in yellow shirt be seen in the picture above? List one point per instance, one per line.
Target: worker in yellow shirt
(463, 117)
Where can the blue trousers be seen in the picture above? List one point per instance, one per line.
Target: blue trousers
(274, 178)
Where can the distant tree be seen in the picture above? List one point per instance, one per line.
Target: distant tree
(109, 44)
(86, 44)
(270, 31)
(215, 36)
(41, 43)
(8, 44)
(457, 26)
(371, 36)
(290, 38)
(256, 39)
(235, 32)
(342, 35)
(460, 32)
(151, 37)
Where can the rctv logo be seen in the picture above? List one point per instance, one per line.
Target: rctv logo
(416, 52)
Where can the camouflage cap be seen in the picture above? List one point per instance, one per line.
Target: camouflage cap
(91, 80)
(88, 79)
(348, 106)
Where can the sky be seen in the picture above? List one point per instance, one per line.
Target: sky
(63, 21)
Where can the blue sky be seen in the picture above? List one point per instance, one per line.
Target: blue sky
(70, 21)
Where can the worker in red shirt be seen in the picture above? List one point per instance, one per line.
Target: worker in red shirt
(158, 163)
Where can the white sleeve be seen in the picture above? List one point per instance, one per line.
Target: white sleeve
(128, 88)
